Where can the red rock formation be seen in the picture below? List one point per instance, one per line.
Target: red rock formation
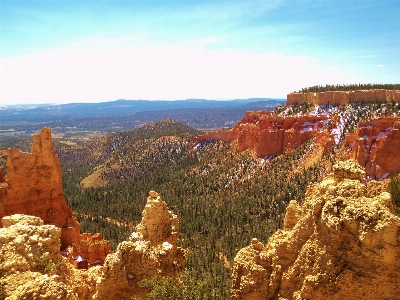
(268, 134)
(376, 146)
(34, 187)
(149, 252)
(90, 251)
(344, 97)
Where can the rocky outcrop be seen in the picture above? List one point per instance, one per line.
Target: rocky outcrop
(151, 250)
(34, 187)
(344, 97)
(376, 146)
(90, 250)
(30, 259)
(269, 134)
(341, 243)
(32, 267)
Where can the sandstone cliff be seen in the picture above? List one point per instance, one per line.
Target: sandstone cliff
(269, 134)
(33, 268)
(344, 97)
(341, 243)
(376, 146)
(34, 187)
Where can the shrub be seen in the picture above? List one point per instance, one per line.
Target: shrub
(44, 264)
(394, 189)
(166, 288)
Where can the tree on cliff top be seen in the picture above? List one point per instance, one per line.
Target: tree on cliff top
(349, 87)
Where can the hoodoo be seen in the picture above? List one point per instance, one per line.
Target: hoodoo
(34, 187)
(341, 243)
(32, 266)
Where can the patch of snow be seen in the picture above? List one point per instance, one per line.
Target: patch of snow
(384, 176)
(306, 129)
(381, 135)
(167, 246)
(96, 262)
(79, 258)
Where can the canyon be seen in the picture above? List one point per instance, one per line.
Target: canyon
(340, 241)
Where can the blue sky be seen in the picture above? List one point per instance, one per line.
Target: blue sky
(92, 51)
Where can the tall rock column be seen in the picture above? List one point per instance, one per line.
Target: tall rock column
(151, 250)
(34, 187)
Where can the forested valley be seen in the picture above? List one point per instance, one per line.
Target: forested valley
(223, 198)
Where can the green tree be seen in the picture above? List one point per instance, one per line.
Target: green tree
(166, 288)
(394, 189)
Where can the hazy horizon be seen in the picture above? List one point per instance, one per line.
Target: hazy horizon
(193, 99)
(98, 51)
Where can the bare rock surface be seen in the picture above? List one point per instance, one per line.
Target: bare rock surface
(32, 266)
(34, 187)
(269, 134)
(344, 97)
(343, 242)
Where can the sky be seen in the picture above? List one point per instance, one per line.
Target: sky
(100, 50)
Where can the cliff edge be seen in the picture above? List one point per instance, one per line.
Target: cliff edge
(341, 243)
(344, 97)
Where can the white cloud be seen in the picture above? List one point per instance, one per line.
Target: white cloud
(157, 72)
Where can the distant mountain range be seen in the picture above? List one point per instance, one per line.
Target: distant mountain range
(123, 107)
(82, 119)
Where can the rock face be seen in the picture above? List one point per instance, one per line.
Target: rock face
(344, 97)
(32, 266)
(90, 250)
(343, 242)
(28, 249)
(268, 134)
(151, 250)
(34, 187)
(376, 146)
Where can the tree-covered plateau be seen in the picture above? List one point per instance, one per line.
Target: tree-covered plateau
(349, 87)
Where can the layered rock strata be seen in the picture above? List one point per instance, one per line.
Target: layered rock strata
(376, 146)
(32, 266)
(344, 97)
(269, 135)
(341, 243)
